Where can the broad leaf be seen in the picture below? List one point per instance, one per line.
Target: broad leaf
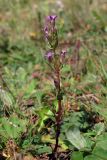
(74, 136)
(44, 114)
(100, 150)
(92, 157)
(99, 128)
(77, 156)
(6, 98)
(12, 127)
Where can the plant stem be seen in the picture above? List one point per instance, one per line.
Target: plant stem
(58, 125)
(58, 115)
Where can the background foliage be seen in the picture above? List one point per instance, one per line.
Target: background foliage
(26, 89)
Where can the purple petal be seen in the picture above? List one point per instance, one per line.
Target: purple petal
(49, 56)
(51, 17)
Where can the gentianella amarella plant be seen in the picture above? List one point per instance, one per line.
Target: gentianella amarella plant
(55, 61)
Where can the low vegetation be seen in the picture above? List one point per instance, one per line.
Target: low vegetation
(53, 80)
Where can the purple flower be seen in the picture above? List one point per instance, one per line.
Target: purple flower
(49, 28)
(63, 53)
(50, 31)
(52, 18)
(49, 56)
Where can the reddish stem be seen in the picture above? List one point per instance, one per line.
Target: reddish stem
(58, 115)
(58, 123)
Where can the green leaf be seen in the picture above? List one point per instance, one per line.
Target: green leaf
(21, 74)
(99, 128)
(98, 17)
(77, 156)
(26, 144)
(92, 157)
(30, 89)
(102, 137)
(100, 150)
(40, 149)
(6, 98)
(38, 95)
(74, 136)
(49, 139)
(44, 113)
(12, 127)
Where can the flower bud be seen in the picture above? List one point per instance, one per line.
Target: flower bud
(63, 53)
(51, 19)
(51, 31)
